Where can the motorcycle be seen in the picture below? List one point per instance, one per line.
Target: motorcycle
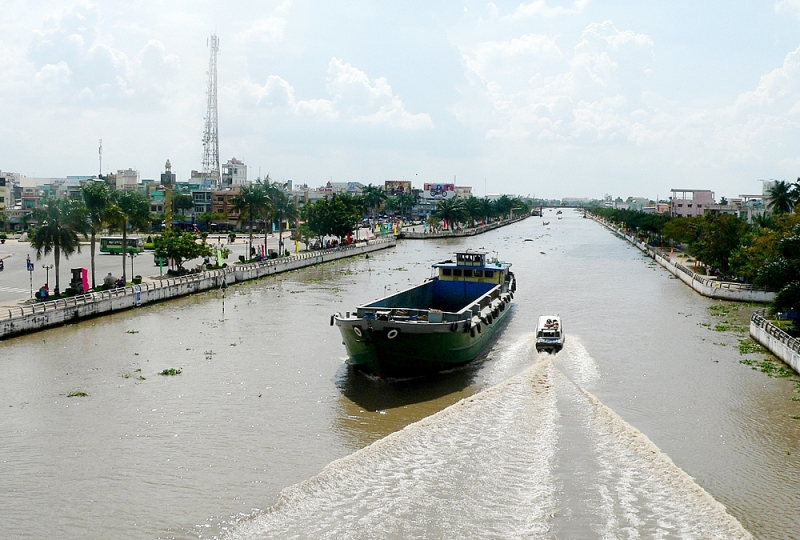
(2, 264)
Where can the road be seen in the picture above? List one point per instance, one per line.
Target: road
(18, 285)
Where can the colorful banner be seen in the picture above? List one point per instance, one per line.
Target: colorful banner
(395, 187)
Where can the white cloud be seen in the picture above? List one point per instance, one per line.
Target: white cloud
(53, 74)
(792, 7)
(550, 96)
(264, 30)
(353, 97)
(539, 8)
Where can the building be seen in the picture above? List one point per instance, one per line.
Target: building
(8, 181)
(234, 173)
(690, 202)
(222, 202)
(127, 179)
(463, 192)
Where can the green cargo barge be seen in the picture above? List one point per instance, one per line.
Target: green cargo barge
(441, 324)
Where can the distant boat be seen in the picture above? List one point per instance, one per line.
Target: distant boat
(443, 323)
(558, 212)
(545, 223)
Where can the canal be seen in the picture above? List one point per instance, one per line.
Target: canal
(644, 425)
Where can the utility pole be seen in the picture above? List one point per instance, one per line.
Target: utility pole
(100, 152)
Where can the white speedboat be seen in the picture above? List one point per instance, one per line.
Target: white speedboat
(549, 334)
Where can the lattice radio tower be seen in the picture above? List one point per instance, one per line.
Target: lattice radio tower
(211, 133)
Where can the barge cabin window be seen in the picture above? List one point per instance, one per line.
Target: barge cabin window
(471, 259)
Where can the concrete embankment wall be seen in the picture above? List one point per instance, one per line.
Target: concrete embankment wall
(33, 317)
(723, 290)
(466, 232)
(776, 340)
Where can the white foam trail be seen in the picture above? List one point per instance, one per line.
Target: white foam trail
(505, 362)
(480, 468)
(645, 495)
(576, 362)
(535, 456)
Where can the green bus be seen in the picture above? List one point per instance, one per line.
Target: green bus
(113, 244)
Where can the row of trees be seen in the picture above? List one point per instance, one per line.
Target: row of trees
(340, 214)
(765, 253)
(265, 202)
(60, 222)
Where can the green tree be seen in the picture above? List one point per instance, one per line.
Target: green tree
(373, 196)
(283, 209)
(59, 222)
(504, 205)
(718, 236)
(488, 210)
(249, 203)
(782, 197)
(680, 229)
(179, 247)
(336, 215)
(211, 217)
(392, 204)
(182, 202)
(451, 210)
(473, 209)
(406, 201)
(97, 197)
(128, 210)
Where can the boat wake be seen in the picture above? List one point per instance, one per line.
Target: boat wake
(535, 456)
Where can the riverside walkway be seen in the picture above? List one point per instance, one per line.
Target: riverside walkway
(472, 231)
(710, 287)
(25, 318)
(761, 329)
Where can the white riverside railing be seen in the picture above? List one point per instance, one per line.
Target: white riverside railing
(47, 306)
(758, 319)
(657, 253)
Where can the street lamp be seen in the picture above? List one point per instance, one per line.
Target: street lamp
(132, 254)
(47, 278)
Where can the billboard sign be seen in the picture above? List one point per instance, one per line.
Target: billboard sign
(395, 187)
(439, 191)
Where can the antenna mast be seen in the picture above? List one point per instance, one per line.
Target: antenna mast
(211, 133)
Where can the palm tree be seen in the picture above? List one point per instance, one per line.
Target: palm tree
(96, 198)
(373, 197)
(474, 209)
(504, 205)
(248, 203)
(283, 210)
(60, 221)
(451, 210)
(129, 209)
(263, 205)
(763, 221)
(782, 197)
(487, 209)
(406, 201)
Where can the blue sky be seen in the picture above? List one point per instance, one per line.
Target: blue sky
(549, 98)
